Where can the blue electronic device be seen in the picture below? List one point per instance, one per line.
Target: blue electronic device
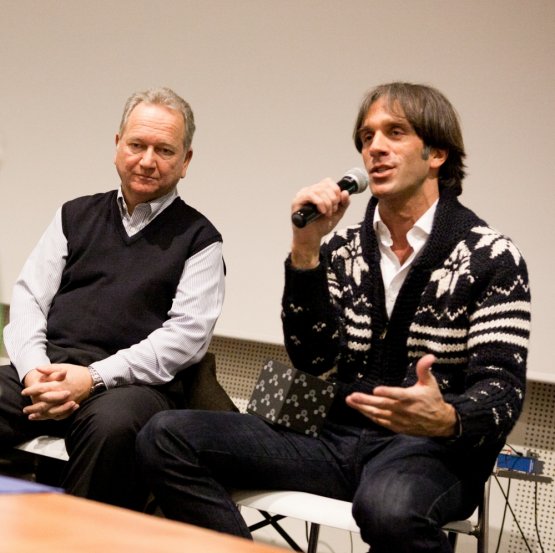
(518, 463)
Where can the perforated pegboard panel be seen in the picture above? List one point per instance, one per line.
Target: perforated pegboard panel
(539, 437)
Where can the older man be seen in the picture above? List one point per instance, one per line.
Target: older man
(119, 297)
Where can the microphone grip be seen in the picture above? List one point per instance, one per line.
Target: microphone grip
(305, 215)
(354, 181)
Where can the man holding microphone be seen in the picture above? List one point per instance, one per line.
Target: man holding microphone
(421, 312)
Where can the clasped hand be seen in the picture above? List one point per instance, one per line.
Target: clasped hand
(418, 410)
(56, 390)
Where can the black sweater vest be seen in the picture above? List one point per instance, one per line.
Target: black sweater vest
(116, 289)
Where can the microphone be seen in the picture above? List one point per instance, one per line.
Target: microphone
(353, 181)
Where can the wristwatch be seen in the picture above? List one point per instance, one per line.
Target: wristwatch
(97, 382)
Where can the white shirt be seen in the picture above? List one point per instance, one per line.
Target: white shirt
(393, 273)
(183, 339)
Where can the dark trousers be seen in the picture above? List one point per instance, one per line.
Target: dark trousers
(403, 488)
(99, 436)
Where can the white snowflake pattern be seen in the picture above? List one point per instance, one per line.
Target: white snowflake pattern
(318, 327)
(498, 243)
(457, 266)
(354, 262)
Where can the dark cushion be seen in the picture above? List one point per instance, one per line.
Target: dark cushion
(197, 387)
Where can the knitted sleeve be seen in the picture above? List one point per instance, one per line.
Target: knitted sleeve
(497, 340)
(310, 320)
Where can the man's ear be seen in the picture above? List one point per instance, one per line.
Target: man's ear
(116, 140)
(438, 157)
(186, 162)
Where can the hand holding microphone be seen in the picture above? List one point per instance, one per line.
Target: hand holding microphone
(353, 181)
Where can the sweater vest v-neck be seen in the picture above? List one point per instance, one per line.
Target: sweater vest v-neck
(116, 289)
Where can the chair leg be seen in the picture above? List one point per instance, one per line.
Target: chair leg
(49, 471)
(273, 521)
(483, 536)
(313, 538)
(452, 537)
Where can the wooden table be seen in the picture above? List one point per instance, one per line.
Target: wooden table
(59, 523)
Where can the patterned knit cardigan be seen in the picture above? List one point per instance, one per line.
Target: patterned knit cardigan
(466, 299)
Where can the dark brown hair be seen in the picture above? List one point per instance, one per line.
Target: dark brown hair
(432, 117)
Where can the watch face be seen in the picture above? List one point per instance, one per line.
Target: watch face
(97, 387)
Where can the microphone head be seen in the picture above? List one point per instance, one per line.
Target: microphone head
(359, 178)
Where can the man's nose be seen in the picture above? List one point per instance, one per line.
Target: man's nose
(147, 159)
(378, 144)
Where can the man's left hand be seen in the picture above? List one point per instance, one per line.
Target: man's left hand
(418, 410)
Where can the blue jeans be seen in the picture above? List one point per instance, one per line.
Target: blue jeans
(403, 488)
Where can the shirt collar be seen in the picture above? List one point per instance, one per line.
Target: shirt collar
(155, 206)
(422, 227)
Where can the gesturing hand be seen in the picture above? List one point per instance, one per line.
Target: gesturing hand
(418, 410)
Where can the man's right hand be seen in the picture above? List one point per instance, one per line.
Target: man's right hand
(55, 391)
(332, 203)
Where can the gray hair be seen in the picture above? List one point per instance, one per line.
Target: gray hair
(162, 96)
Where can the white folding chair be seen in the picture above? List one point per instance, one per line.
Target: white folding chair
(47, 446)
(324, 511)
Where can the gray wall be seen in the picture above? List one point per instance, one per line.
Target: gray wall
(275, 87)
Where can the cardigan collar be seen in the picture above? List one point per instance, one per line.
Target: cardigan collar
(451, 223)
